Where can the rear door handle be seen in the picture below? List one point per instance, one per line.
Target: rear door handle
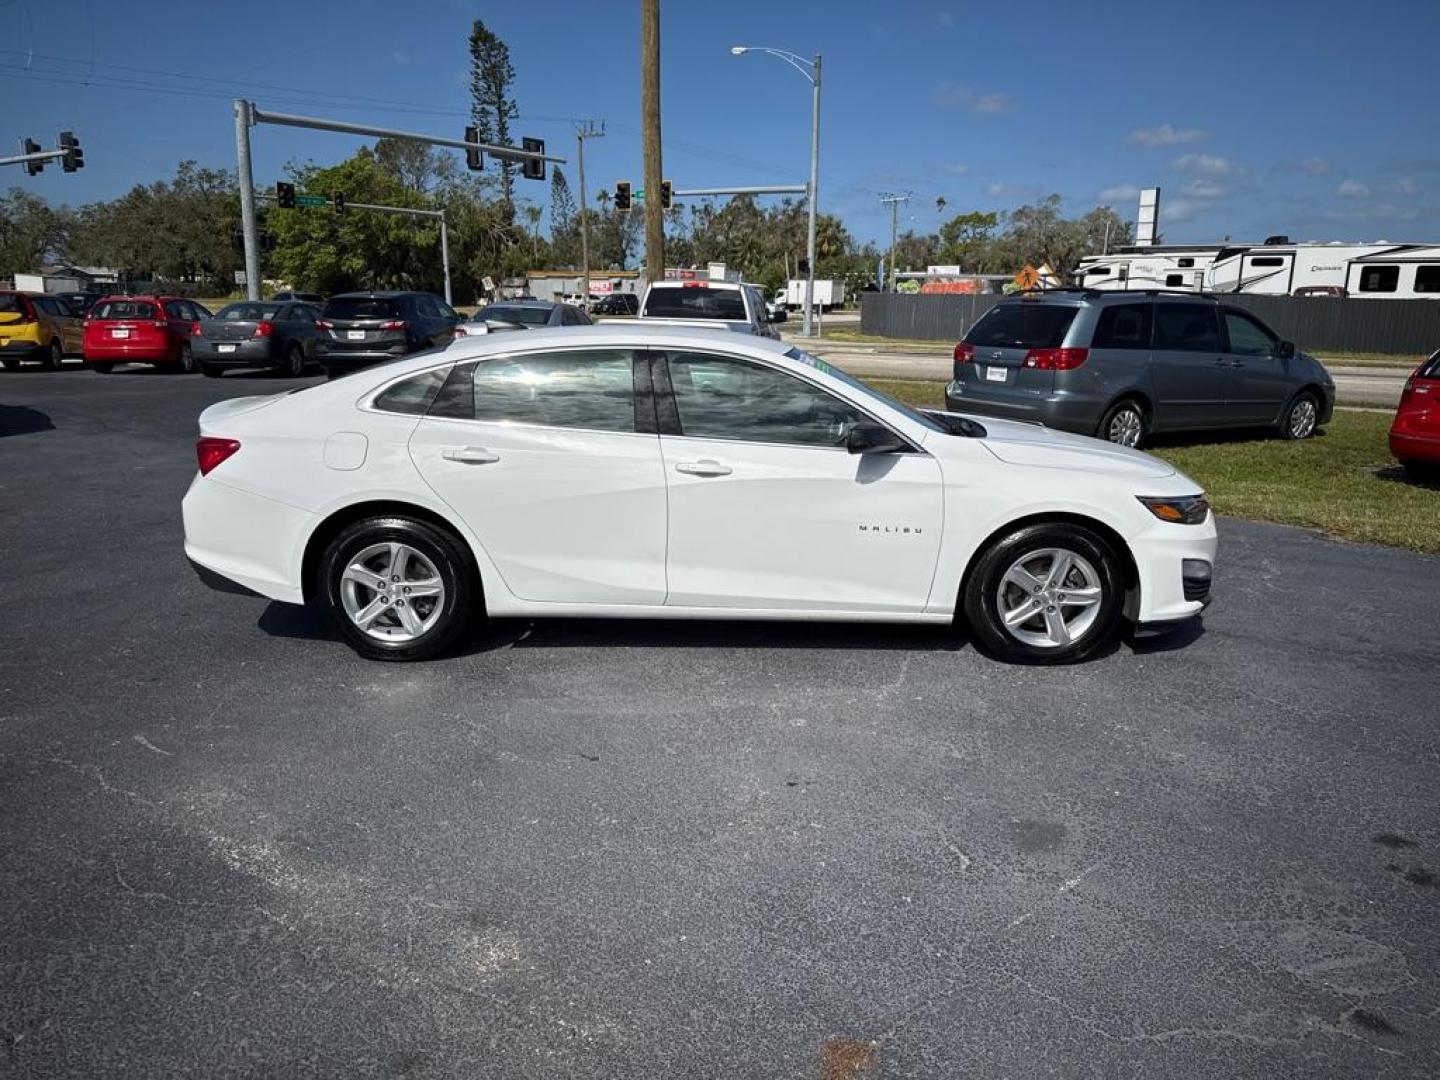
(703, 468)
(469, 455)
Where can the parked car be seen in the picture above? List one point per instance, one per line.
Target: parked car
(639, 469)
(257, 333)
(620, 303)
(304, 297)
(1122, 365)
(81, 302)
(719, 305)
(39, 327)
(1415, 433)
(532, 313)
(142, 329)
(363, 328)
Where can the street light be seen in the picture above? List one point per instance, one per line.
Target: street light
(811, 70)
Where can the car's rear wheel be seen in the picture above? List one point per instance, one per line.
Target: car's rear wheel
(1049, 593)
(187, 358)
(1124, 424)
(103, 367)
(1301, 418)
(56, 357)
(295, 361)
(396, 588)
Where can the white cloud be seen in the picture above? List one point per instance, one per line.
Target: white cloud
(1316, 166)
(997, 190)
(1207, 165)
(1202, 188)
(1372, 212)
(950, 96)
(1120, 193)
(1165, 135)
(1352, 189)
(1405, 186)
(1182, 209)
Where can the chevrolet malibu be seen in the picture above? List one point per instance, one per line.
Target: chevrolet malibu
(634, 471)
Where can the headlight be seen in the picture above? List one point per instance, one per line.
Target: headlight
(1181, 510)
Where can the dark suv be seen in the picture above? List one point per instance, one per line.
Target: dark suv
(364, 328)
(1121, 365)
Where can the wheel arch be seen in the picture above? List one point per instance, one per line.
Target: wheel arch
(331, 527)
(1116, 542)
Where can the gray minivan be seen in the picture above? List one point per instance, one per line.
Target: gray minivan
(1121, 365)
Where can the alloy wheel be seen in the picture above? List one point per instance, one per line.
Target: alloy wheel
(392, 592)
(1049, 598)
(1302, 418)
(1126, 427)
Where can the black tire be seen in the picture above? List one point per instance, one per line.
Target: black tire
(982, 597)
(1124, 424)
(1301, 418)
(294, 362)
(444, 551)
(12, 363)
(55, 359)
(187, 359)
(210, 371)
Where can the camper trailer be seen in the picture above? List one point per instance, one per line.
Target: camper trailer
(1401, 273)
(1173, 267)
(1280, 268)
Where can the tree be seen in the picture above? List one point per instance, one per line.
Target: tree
(491, 106)
(965, 239)
(417, 165)
(533, 214)
(30, 232)
(562, 204)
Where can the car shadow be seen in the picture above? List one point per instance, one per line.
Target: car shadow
(23, 420)
(1161, 638)
(1178, 439)
(1399, 474)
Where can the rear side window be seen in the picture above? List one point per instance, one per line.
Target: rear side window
(1187, 327)
(413, 396)
(590, 388)
(1379, 279)
(1023, 326)
(1427, 279)
(696, 302)
(1123, 326)
(123, 309)
(362, 307)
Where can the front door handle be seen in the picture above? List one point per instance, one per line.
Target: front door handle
(707, 467)
(469, 455)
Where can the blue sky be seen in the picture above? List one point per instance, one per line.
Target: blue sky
(1313, 118)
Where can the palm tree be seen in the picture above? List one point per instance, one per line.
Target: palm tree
(533, 214)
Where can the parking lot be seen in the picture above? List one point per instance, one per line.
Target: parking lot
(668, 850)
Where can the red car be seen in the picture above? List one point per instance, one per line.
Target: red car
(141, 329)
(1415, 434)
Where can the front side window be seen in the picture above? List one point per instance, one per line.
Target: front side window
(1427, 279)
(1123, 326)
(1380, 279)
(720, 397)
(584, 388)
(1187, 327)
(1247, 337)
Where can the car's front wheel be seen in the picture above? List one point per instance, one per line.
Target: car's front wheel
(1048, 593)
(396, 588)
(1301, 418)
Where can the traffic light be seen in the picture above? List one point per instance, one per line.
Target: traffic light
(285, 195)
(30, 146)
(622, 195)
(474, 158)
(665, 193)
(74, 156)
(533, 168)
(338, 202)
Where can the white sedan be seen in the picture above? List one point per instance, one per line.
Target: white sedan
(642, 471)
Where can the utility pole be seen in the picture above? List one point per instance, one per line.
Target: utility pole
(650, 124)
(588, 130)
(894, 201)
(246, 177)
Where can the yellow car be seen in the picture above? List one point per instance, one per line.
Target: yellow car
(38, 327)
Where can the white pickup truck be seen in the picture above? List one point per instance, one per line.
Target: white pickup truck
(723, 305)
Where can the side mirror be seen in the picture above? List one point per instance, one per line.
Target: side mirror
(1285, 350)
(868, 437)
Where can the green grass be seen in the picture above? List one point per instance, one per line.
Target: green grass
(1370, 359)
(1343, 481)
(844, 334)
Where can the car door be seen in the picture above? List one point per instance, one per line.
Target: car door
(1259, 382)
(543, 456)
(1188, 366)
(767, 508)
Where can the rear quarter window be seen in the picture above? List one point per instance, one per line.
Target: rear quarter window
(1023, 326)
(412, 396)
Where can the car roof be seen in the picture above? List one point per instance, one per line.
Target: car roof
(697, 283)
(380, 294)
(598, 335)
(523, 303)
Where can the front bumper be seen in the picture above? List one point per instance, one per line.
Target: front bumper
(1168, 561)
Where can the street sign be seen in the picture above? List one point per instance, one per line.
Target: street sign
(311, 200)
(240, 277)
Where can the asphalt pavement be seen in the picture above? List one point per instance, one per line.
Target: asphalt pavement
(228, 847)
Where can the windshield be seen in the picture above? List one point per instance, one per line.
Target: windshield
(248, 312)
(362, 307)
(124, 309)
(695, 302)
(869, 391)
(526, 316)
(12, 302)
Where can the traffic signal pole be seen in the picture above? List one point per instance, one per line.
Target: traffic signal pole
(246, 179)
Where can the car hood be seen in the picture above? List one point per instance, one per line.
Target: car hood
(1041, 447)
